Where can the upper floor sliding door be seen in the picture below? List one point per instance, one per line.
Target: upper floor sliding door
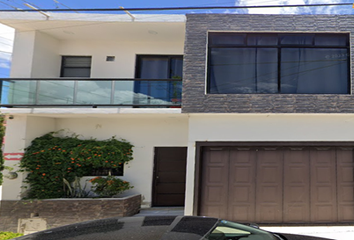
(158, 67)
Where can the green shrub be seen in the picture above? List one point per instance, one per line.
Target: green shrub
(50, 159)
(9, 235)
(109, 186)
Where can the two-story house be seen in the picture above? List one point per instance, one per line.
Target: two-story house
(265, 129)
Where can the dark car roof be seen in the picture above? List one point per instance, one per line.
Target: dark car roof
(147, 228)
(136, 228)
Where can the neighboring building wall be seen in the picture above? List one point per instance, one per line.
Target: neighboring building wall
(195, 99)
(261, 128)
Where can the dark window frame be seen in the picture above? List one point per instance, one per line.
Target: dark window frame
(101, 171)
(169, 57)
(279, 46)
(63, 67)
(174, 88)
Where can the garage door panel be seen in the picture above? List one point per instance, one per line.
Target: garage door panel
(296, 182)
(296, 213)
(345, 185)
(214, 192)
(345, 194)
(269, 181)
(268, 213)
(345, 212)
(323, 184)
(242, 212)
(323, 213)
(216, 175)
(242, 185)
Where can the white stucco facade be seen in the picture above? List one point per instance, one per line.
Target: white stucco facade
(145, 132)
(38, 49)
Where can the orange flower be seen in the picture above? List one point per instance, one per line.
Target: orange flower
(43, 174)
(72, 158)
(106, 161)
(64, 150)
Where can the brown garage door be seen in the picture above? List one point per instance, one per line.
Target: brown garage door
(278, 185)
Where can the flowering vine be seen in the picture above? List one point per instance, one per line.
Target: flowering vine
(50, 159)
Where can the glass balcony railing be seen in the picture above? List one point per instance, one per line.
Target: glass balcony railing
(92, 92)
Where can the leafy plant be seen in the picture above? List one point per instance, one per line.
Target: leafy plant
(9, 235)
(109, 186)
(50, 159)
(74, 189)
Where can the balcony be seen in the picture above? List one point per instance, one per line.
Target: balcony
(90, 92)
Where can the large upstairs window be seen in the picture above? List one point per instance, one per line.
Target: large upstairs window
(270, 63)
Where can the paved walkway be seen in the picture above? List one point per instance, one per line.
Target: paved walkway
(331, 232)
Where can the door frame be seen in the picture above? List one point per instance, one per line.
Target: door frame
(154, 175)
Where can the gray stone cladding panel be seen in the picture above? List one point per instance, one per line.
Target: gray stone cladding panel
(195, 99)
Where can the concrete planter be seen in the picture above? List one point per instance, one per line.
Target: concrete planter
(59, 212)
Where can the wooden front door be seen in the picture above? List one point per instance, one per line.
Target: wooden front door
(169, 176)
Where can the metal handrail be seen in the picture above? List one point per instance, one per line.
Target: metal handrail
(92, 79)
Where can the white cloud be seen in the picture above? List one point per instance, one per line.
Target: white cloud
(296, 10)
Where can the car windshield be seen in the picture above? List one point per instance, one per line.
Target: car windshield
(226, 230)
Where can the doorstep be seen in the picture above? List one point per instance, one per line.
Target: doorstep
(161, 211)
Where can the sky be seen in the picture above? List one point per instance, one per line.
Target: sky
(7, 34)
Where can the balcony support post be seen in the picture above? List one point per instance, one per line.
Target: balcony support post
(113, 85)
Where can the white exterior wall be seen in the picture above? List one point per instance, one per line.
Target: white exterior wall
(46, 59)
(144, 132)
(262, 127)
(124, 52)
(22, 54)
(39, 55)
